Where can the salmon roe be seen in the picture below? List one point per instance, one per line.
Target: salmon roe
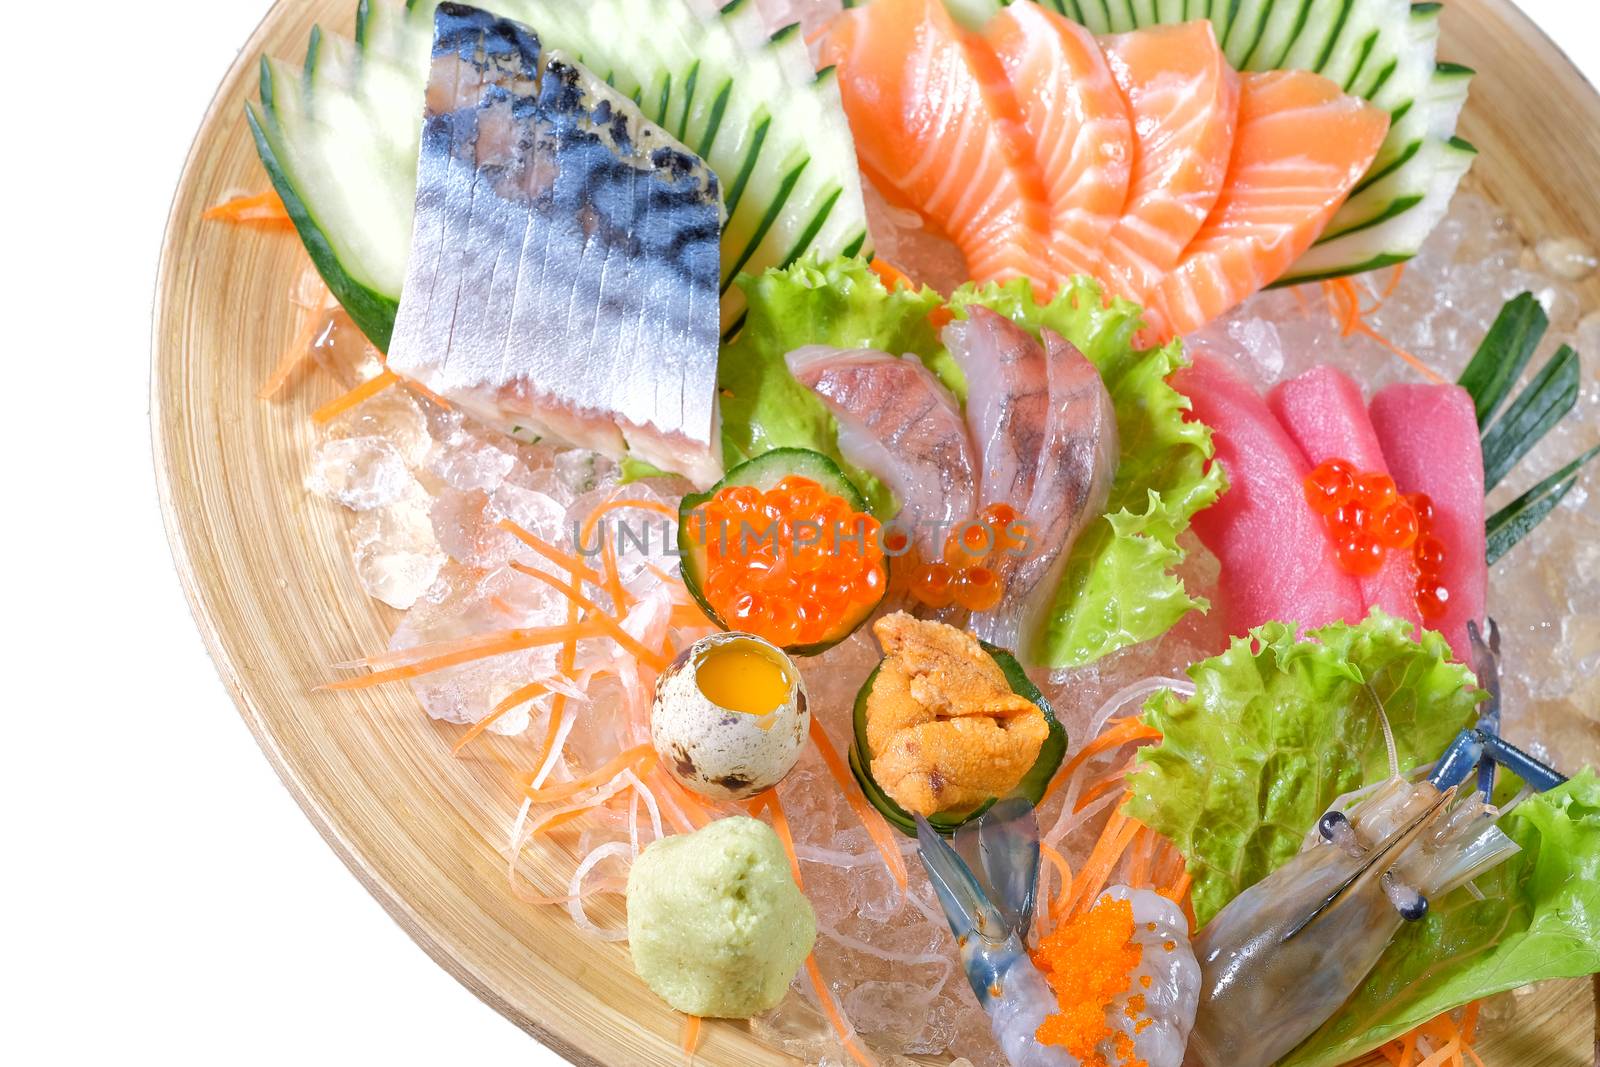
(1088, 962)
(794, 564)
(968, 572)
(1367, 518)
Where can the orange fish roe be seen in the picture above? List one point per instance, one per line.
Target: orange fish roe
(795, 564)
(967, 575)
(1087, 961)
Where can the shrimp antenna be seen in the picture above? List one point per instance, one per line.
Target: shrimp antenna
(1388, 732)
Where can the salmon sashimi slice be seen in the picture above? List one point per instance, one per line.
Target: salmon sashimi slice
(898, 422)
(1183, 99)
(1008, 402)
(1072, 482)
(1325, 413)
(1077, 122)
(1299, 148)
(934, 131)
(1277, 561)
(1430, 438)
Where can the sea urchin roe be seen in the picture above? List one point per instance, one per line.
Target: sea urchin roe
(944, 729)
(1089, 962)
(794, 564)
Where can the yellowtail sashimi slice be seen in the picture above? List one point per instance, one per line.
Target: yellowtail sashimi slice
(1183, 98)
(1300, 147)
(563, 276)
(1077, 120)
(927, 133)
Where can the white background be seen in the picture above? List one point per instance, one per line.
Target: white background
(164, 899)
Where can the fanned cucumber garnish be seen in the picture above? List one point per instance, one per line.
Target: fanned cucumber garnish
(1381, 50)
(339, 134)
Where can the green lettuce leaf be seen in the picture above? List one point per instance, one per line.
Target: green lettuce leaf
(840, 302)
(1278, 728)
(1539, 919)
(1119, 587)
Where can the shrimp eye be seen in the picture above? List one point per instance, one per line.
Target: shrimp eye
(1414, 910)
(1333, 825)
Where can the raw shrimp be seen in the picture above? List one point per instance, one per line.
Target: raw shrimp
(1282, 957)
(990, 920)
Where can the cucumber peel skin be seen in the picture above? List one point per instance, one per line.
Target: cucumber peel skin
(1033, 784)
(763, 472)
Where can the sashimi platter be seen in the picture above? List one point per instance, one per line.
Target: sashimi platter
(1048, 533)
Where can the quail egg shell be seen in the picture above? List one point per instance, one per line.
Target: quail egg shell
(730, 716)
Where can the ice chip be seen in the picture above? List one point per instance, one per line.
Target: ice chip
(362, 473)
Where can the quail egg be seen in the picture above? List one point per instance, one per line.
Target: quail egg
(730, 716)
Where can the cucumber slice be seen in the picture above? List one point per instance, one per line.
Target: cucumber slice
(763, 473)
(339, 140)
(1381, 50)
(1032, 786)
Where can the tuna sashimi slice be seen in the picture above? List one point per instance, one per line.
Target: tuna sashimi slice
(1077, 123)
(1076, 464)
(934, 132)
(1429, 435)
(563, 277)
(1277, 564)
(898, 422)
(1326, 414)
(1299, 148)
(1008, 402)
(1183, 99)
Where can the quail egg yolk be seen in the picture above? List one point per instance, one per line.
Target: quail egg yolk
(741, 676)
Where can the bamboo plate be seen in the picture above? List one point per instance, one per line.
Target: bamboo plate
(267, 570)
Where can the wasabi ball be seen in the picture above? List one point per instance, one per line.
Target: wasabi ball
(715, 922)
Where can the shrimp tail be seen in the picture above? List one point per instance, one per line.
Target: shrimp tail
(967, 908)
(1007, 846)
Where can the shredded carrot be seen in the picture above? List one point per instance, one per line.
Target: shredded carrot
(689, 615)
(940, 317)
(639, 757)
(1143, 852)
(1450, 1038)
(1102, 785)
(365, 391)
(433, 649)
(835, 1017)
(619, 595)
(572, 563)
(561, 818)
(1064, 869)
(892, 276)
(769, 802)
(690, 1041)
(516, 641)
(423, 391)
(1103, 860)
(654, 660)
(871, 820)
(263, 209)
(1345, 303)
(1125, 731)
(298, 352)
(520, 696)
(1178, 888)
